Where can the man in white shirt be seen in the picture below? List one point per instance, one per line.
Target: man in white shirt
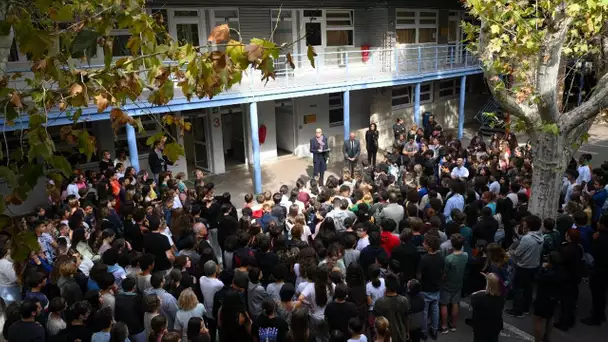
(584, 172)
(210, 285)
(460, 171)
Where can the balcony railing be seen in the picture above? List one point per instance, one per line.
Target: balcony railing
(342, 66)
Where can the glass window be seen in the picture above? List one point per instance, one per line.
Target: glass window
(339, 18)
(453, 30)
(187, 34)
(312, 13)
(406, 36)
(401, 96)
(313, 34)
(119, 45)
(340, 38)
(426, 92)
(336, 117)
(14, 53)
(190, 13)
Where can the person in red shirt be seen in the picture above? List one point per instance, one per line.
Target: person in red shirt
(388, 240)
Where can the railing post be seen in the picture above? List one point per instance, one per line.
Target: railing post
(419, 58)
(437, 57)
(346, 63)
(463, 89)
(417, 104)
(466, 58)
(396, 52)
(346, 114)
(251, 70)
(317, 66)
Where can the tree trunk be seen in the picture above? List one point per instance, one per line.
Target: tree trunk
(551, 157)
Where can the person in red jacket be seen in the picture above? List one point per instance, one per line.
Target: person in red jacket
(388, 240)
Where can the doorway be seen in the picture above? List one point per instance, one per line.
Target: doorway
(285, 119)
(197, 142)
(233, 136)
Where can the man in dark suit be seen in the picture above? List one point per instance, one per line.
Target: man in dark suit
(352, 150)
(320, 150)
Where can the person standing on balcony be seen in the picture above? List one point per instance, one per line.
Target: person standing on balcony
(352, 150)
(398, 128)
(371, 144)
(320, 151)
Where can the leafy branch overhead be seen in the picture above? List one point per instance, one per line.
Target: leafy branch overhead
(60, 39)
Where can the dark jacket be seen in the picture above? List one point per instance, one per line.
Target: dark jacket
(571, 255)
(129, 309)
(599, 250)
(352, 151)
(485, 229)
(227, 226)
(157, 164)
(369, 255)
(314, 148)
(404, 259)
(70, 290)
(371, 140)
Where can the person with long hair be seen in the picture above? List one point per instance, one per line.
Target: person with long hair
(382, 327)
(371, 143)
(299, 330)
(197, 331)
(487, 307)
(316, 296)
(355, 280)
(374, 289)
(189, 307)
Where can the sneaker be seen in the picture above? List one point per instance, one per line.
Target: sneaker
(591, 321)
(444, 330)
(453, 329)
(514, 313)
(433, 334)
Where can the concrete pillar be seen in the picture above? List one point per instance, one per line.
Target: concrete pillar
(346, 103)
(132, 142)
(255, 146)
(463, 90)
(417, 104)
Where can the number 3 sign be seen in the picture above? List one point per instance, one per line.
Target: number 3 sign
(216, 122)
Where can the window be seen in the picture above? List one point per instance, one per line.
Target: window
(227, 16)
(340, 27)
(426, 92)
(336, 109)
(283, 25)
(454, 26)
(402, 96)
(416, 26)
(120, 39)
(449, 88)
(151, 124)
(187, 26)
(313, 34)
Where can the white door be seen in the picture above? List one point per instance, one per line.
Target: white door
(313, 28)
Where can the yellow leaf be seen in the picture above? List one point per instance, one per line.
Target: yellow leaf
(187, 126)
(495, 29)
(76, 89)
(220, 33)
(102, 103)
(16, 100)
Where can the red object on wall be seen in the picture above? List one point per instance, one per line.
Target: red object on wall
(262, 134)
(365, 53)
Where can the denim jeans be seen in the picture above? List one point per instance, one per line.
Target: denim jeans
(431, 302)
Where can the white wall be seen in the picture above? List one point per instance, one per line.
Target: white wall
(266, 117)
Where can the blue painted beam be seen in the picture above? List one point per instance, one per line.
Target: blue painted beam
(463, 86)
(417, 104)
(255, 147)
(57, 118)
(132, 142)
(346, 103)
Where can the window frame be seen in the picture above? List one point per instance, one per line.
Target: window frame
(334, 107)
(173, 21)
(454, 88)
(350, 27)
(417, 25)
(409, 96)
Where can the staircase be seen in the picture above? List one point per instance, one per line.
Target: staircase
(491, 124)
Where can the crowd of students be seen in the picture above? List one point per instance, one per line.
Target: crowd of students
(386, 253)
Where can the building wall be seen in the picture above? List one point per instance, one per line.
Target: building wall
(445, 110)
(319, 106)
(266, 117)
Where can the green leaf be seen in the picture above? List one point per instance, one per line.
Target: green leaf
(311, 54)
(84, 144)
(37, 120)
(64, 14)
(85, 43)
(77, 115)
(550, 128)
(10, 114)
(30, 174)
(61, 163)
(156, 137)
(173, 151)
(10, 177)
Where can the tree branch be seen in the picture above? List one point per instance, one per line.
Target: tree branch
(498, 88)
(588, 110)
(549, 58)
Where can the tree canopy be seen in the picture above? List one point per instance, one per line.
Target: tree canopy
(524, 47)
(59, 38)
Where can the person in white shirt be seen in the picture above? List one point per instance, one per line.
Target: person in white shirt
(584, 172)
(460, 171)
(210, 285)
(73, 187)
(123, 159)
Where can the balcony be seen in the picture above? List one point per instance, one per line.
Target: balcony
(335, 70)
